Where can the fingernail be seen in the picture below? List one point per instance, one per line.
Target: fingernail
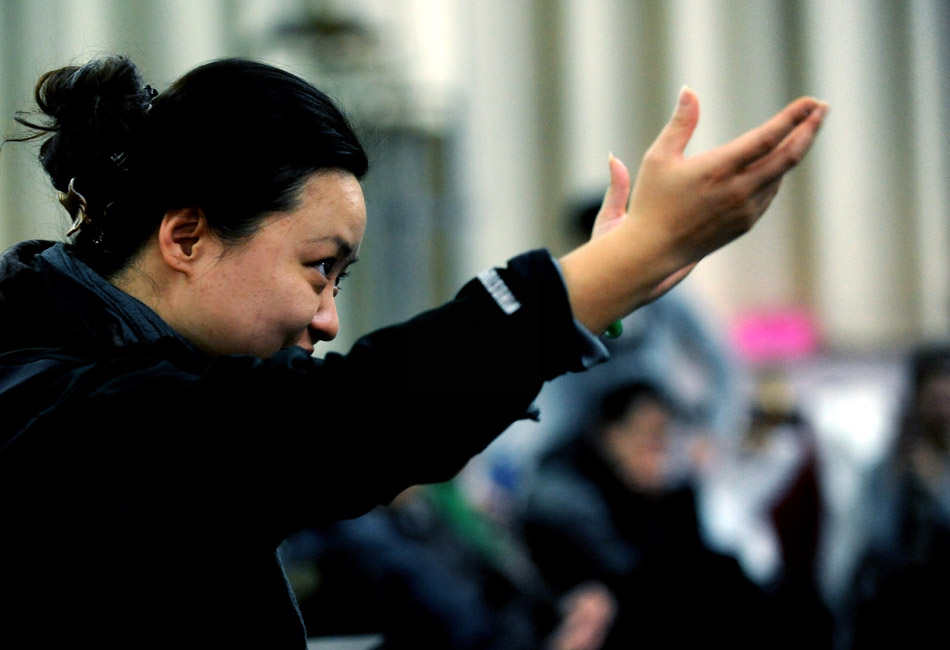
(681, 99)
(818, 110)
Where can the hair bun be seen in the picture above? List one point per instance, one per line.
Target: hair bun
(93, 113)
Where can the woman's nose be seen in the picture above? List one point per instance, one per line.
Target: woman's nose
(325, 324)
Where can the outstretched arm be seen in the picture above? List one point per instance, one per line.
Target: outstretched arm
(681, 209)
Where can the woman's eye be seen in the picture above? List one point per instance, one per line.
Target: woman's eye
(326, 269)
(323, 267)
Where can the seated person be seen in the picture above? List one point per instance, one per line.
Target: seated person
(602, 509)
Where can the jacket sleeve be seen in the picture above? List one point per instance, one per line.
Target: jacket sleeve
(412, 403)
(294, 440)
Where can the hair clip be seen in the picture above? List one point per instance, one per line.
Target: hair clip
(121, 160)
(150, 94)
(75, 204)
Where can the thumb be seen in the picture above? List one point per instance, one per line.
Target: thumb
(675, 135)
(614, 206)
(618, 192)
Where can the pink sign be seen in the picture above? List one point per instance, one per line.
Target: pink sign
(775, 335)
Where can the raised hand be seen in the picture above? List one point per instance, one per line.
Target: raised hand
(681, 208)
(705, 201)
(614, 209)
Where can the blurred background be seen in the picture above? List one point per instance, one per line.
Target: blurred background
(489, 124)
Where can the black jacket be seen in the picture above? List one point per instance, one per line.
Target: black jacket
(583, 523)
(144, 488)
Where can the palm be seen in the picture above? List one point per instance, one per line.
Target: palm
(612, 212)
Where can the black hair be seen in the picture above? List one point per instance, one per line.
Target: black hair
(234, 137)
(621, 400)
(927, 362)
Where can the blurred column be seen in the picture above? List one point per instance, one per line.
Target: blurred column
(735, 56)
(597, 58)
(166, 38)
(497, 148)
(37, 36)
(930, 112)
(10, 159)
(865, 218)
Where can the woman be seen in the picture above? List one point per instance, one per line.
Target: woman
(603, 508)
(164, 423)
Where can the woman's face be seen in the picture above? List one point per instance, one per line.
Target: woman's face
(638, 445)
(277, 288)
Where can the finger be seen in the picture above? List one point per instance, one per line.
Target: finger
(614, 206)
(762, 141)
(789, 152)
(675, 135)
(618, 192)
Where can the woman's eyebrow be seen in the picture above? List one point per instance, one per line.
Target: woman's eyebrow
(345, 248)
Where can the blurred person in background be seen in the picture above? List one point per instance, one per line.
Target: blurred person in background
(900, 592)
(165, 425)
(603, 508)
(765, 505)
(430, 570)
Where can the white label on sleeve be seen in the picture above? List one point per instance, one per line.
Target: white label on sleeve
(499, 291)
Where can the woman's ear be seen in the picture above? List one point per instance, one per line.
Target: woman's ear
(183, 238)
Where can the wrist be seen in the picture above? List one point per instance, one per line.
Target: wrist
(610, 276)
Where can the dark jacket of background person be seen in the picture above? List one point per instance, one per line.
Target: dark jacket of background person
(583, 523)
(900, 593)
(145, 488)
(428, 571)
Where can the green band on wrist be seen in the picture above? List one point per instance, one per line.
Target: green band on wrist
(614, 330)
